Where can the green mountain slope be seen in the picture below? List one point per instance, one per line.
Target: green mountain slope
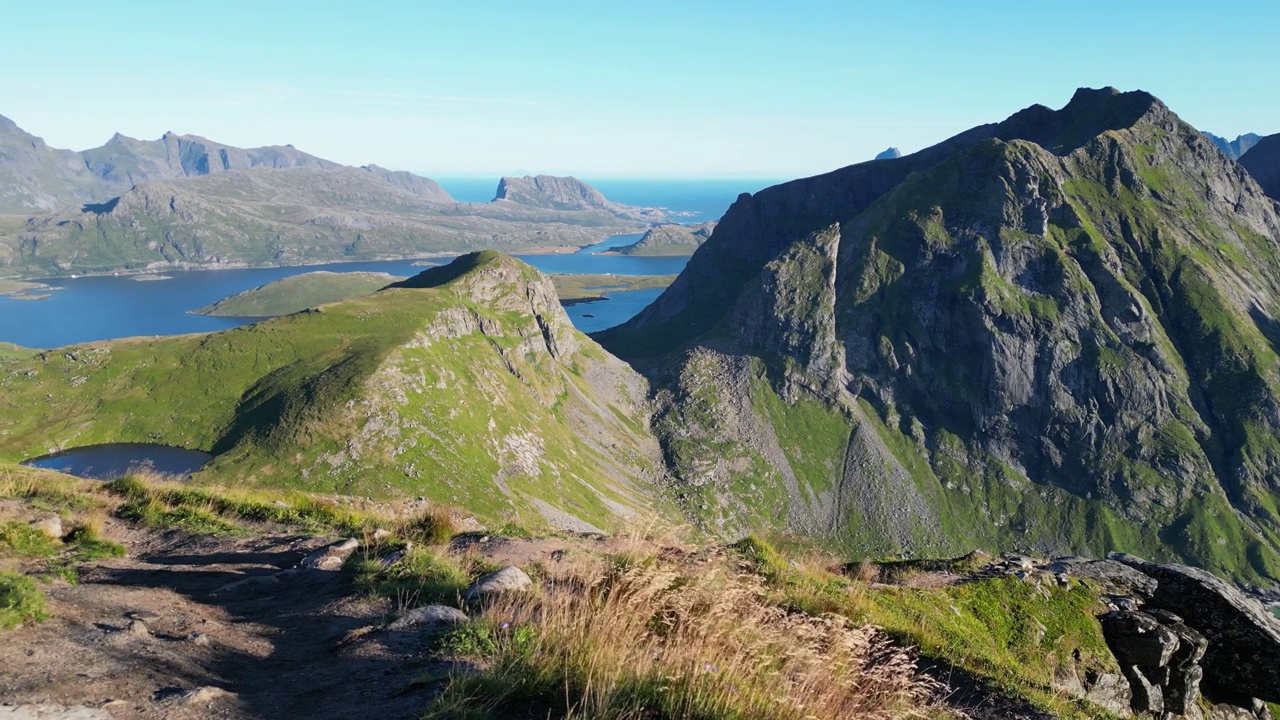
(470, 388)
(1056, 334)
(299, 292)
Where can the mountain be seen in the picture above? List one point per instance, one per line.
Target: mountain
(185, 201)
(891, 154)
(1234, 149)
(467, 385)
(1263, 163)
(566, 193)
(669, 239)
(1054, 333)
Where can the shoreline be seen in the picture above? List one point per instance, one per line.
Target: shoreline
(158, 268)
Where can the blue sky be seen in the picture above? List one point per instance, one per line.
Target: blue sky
(615, 89)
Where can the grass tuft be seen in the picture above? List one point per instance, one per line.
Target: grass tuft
(652, 640)
(20, 601)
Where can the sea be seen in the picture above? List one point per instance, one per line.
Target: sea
(95, 308)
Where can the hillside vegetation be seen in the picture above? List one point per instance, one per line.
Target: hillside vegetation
(470, 388)
(1054, 334)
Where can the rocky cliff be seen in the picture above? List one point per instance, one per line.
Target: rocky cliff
(670, 239)
(566, 193)
(1056, 332)
(1263, 163)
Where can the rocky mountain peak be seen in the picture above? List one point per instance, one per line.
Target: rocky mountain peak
(1065, 294)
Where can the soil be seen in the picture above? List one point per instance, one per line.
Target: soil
(281, 646)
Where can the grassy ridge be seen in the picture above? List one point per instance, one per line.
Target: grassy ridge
(9, 351)
(297, 293)
(293, 294)
(400, 392)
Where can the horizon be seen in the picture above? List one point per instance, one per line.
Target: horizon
(664, 92)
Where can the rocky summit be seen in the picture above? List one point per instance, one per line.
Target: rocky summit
(1057, 332)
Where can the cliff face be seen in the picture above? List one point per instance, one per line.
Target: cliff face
(551, 192)
(1055, 333)
(1263, 163)
(670, 239)
(1234, 149)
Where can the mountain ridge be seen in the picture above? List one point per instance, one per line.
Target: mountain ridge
(1017, 333)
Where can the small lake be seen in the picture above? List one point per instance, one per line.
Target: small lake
(108, 307)
(107, 462)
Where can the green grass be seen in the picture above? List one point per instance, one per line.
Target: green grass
(422, 577)
(370, 397)
(9, 351)
(21, 601)
(297, 293)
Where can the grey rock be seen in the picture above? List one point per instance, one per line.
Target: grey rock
(1234, 149)
(331, 558)
(205, 695)
(1243, 653)
(52, 712)
(253, 583)
(430, 617)
(509, 579)
(51, 526)
(138, 628)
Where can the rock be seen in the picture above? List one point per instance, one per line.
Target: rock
(509, 579)
(331, 558)
(1115, 577)
(198, 639)
(430, 617)
(394, 557)
(51, 712)
(249, 584)
(138, 628)
(1160, 656)
(1243, 654)
(50, 526)
(205, 695)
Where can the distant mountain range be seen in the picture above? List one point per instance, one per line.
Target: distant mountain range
(185, 201)
(1234, 149)
(890, 154)
(1263, 163)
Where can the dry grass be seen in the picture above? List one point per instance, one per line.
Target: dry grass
(652, 639)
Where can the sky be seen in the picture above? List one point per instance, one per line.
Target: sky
(615, 88)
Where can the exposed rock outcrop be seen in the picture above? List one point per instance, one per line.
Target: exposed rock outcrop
(1243, 639)
(670, 239)
(552, 192)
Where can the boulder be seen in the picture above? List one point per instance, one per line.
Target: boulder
(430, 617)
(509, 579)
(1242, 658)
(331, 558)
(1114, 577)
(51, 526)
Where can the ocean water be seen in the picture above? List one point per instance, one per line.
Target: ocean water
(104, 308)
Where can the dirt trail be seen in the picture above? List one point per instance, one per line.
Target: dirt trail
(136, 636)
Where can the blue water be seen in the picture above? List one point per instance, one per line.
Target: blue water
(703, 199)
(107, 462)
(104, 308)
